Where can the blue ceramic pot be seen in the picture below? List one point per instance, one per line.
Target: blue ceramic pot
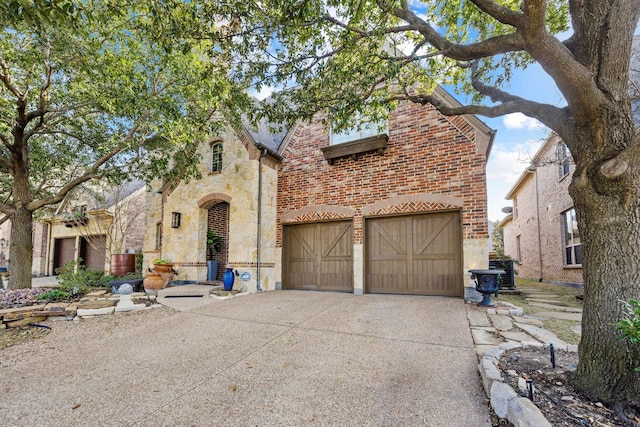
(228, 279)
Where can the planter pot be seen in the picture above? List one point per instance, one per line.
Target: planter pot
(152, 283)
(165, 271)
(122, 264)
(115, 284)
(228, 279)
(212, 270)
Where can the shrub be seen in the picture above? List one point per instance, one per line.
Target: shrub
(53, 295)
(630, 325)
(74, 278)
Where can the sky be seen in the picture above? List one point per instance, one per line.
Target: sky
(518, 137)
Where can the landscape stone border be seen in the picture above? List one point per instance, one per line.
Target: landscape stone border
(506, 403)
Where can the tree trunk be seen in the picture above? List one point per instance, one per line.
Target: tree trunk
(21, 249)
(608, 213)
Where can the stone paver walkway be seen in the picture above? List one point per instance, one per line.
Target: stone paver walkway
(496, 330)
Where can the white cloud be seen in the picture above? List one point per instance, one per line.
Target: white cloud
(520, 121)
(264, 93)
(505, 165)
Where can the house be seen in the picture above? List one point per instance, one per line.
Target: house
(541, 232)
(4, 245)
(93, 222)
(396, 207)
(235, 198)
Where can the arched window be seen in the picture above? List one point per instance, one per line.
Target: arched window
(216, 157)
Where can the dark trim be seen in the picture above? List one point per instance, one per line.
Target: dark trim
(352, 149)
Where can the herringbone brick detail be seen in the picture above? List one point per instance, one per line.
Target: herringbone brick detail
(317, 216)
(412, 207)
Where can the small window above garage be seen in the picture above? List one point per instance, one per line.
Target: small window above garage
(351, 149)
(363, 136)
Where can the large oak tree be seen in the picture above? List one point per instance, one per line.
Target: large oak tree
(343, 56)
(92, 91)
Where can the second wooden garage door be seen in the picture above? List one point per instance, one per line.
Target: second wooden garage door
(318, 256)
(415, 254)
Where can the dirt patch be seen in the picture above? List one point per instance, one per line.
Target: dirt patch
(560, 402)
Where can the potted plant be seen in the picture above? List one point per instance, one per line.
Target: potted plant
(214, 244)
(160, 276)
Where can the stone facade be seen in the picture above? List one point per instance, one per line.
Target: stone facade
(432, 163)
(237, 185)
(540, 198)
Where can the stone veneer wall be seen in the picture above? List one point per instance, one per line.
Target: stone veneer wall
(432, 163)
(551, 201)
(236, 184)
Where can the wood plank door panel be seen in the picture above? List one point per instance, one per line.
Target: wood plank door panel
(318, 256)
(415, 254)
(94, 252)
(63, 251)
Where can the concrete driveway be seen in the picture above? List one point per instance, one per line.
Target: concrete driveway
(275, 358)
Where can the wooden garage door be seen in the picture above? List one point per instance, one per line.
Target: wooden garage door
(318, 256)
(93, 252)
(63, 252)
(416, 254)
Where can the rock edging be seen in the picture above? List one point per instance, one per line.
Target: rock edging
(506, 403)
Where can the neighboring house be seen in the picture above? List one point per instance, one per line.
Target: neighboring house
(92, 223)
(396, 207)
(5, 229)
(541, 233)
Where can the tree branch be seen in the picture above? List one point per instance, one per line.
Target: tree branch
(6, 79)
(500, 13)
(89, 174)
(490, 47)
(7, 210)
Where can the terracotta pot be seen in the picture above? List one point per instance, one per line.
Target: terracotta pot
(122, 264)
(152, 283)
(165, 271)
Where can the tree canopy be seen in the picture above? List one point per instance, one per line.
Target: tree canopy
(98, 91)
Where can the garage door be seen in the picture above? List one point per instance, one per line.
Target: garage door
(318, 256)
(93, 252)
(416, 254)
(64, 251)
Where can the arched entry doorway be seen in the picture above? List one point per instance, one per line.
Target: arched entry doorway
(218, 222)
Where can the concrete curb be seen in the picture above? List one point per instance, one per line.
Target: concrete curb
(506, 403)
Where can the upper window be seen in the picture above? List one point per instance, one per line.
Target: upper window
(564, 160)
(515, 207)
(572, 246)
(216, 157)
(362, 129)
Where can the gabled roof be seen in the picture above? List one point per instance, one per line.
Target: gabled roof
(274, 136)
(531, 169)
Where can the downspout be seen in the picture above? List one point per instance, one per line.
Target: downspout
(535, 172)
(259, 233)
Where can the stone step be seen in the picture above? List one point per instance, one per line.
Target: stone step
(576, 317)
(557, 307)
(188, 291)
(548, 301)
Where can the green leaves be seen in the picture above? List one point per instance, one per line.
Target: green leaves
(111, 90)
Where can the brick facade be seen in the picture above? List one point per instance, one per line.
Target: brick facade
(218, 221)
(432, 163)
(541, 196)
